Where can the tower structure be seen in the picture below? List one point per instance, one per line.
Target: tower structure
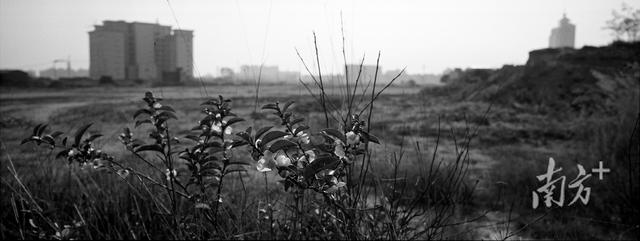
(563, 36)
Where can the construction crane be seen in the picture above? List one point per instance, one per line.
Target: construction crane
(55, 71)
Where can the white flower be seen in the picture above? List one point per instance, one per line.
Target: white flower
(311, 156)
(169, 174)
(266, 162)
(228, 130)
(262, 165)
(157, 105)
(352, 138)
(216, 127)
(335, 187)
(282, 160)
(304, 137)
(202, 206)
(339, 150)
(97, 163)
(124, 173)
(72, 153)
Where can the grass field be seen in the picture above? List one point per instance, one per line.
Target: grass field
(511, 148)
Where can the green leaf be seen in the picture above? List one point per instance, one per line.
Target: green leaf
(319, 164)
(234, 120)
(272, 136)
(296, 121)
(193, 138)
(374, 139)
(49, 140)
(238, 143)
(25, 140)
(271, 106)
(262, 131)
(239, 163)
(287, 116)
(286, 106)
(211, 144)
(186, 156)
(212, 163)
(211, 172)
(140, 122)
(237, 169)
(165, 115)
(141, 111)
(93, 137)
(30, 139)
(55, 134)
(299, 129)
(335, 134)
(213, 147)
(152, 147)
(281, 145)
(369, 138)
(80, 133)
(244, 135)
(41, 130)
(166, 108)
(35, 130)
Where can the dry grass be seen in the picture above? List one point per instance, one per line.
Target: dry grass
(513, 147)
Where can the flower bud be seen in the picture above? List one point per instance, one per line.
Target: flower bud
(353, 138)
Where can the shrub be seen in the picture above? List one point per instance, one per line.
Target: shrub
(329, 187)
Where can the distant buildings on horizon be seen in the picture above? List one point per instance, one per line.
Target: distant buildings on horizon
(146, 51)
(563, 36)
(58, 73)
(272, 74)
(266, 73)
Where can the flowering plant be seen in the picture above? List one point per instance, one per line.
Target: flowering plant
(304, 160)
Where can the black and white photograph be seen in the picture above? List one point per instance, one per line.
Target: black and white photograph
(320, 120)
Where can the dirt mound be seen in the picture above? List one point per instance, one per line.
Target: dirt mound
(583, 80)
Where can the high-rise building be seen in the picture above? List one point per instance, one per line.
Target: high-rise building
(122, 50)
(109, 50)
(563, 36)
(175, 52)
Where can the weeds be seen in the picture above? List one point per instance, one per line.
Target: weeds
(326, 173)
(184, 187)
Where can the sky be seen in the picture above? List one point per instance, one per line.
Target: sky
(423, 36)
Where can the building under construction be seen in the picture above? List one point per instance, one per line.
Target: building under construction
(140, 51)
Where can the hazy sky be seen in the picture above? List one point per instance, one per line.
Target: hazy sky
(424, 36)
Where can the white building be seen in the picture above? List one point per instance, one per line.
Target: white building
(108, 50)
(564, 36)
(266, 73)
(137, 50)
